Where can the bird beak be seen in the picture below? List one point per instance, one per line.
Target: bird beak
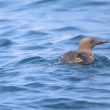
(100, 42)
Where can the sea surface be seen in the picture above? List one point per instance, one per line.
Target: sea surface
(33, 35)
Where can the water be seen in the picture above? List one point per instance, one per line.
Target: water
(33, 34)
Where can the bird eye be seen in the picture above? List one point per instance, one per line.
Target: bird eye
(91, 41)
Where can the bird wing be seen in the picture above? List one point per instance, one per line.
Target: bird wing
(69, 56)
(85, 58)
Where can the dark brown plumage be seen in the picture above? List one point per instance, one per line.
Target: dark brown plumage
(85, 54)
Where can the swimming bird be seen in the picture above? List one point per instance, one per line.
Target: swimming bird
(85, 53)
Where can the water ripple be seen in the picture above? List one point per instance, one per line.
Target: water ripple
(33, 35)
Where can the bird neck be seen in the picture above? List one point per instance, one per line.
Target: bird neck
(89, 51)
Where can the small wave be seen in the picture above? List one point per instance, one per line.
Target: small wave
(101, 61)
(69, 103)
(75, 39)
(3, 4)
(96, 3)
(34, 47)
(46, 1)
(35, 84)
(11, 89)
(68, 28)
(31, 60)
(75, 79)
(36, 33)
(78, 38)
(42, 2)
(36, 4)
(61, 9)
(5, 20)
(5, 42)
(56, 103)
(72, 40)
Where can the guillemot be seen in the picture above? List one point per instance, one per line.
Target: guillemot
(85, 54)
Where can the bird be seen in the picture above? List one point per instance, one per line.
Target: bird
(84, 55)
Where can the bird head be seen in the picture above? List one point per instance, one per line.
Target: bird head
(90, 43)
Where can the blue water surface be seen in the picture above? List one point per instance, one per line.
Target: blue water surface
(33, 34)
